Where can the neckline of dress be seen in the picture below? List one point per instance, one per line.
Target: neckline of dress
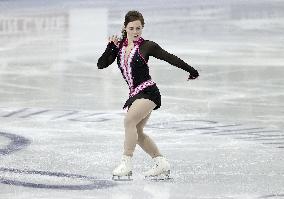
(137, 42)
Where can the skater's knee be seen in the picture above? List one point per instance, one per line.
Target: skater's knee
(130, 122)
(139, 130)
(141, 136)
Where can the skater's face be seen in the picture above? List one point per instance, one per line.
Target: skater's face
(134, 30)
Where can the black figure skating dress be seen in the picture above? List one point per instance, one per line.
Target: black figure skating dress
(135, 69)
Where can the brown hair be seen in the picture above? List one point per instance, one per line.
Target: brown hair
(132, 15)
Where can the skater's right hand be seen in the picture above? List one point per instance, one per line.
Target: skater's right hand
(114, 39)
(193, 75)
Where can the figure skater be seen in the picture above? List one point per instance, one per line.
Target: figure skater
(132, 53)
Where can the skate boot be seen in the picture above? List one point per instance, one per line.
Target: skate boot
(124, 169)
(160, 171)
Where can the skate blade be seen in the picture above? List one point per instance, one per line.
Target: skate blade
(165, 176)
(162, 179)
(122, 178)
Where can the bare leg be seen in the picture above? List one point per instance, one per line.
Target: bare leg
(137, 112)
(161, 168)
(144, 141)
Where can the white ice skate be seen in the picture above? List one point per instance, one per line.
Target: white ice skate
(160, 171)
(124, 169)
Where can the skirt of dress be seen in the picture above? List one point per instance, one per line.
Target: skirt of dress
(152, 93)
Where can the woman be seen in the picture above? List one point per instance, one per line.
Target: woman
(132, 53)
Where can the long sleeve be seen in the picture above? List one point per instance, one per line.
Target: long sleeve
(108, 56)
(156, 51)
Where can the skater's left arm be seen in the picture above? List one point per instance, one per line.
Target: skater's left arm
(156, 51)
(110, 54)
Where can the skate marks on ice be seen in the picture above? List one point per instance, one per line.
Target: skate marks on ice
(272, 196)
(42, 114)
(248, 132)
(10, 176)
(16, 143)
(89, 119)
(92, 183)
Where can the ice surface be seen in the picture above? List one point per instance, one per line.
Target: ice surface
(61, 119)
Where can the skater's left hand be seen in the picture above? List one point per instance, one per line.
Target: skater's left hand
(193, 75)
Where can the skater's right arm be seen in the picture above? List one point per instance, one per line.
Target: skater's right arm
(110, 53)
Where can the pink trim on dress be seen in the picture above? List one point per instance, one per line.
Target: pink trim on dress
(122, 65)
(137, 42)
(130, 59)
(141, 87)
(125, 64)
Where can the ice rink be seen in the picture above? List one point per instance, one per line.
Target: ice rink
(61, 119)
